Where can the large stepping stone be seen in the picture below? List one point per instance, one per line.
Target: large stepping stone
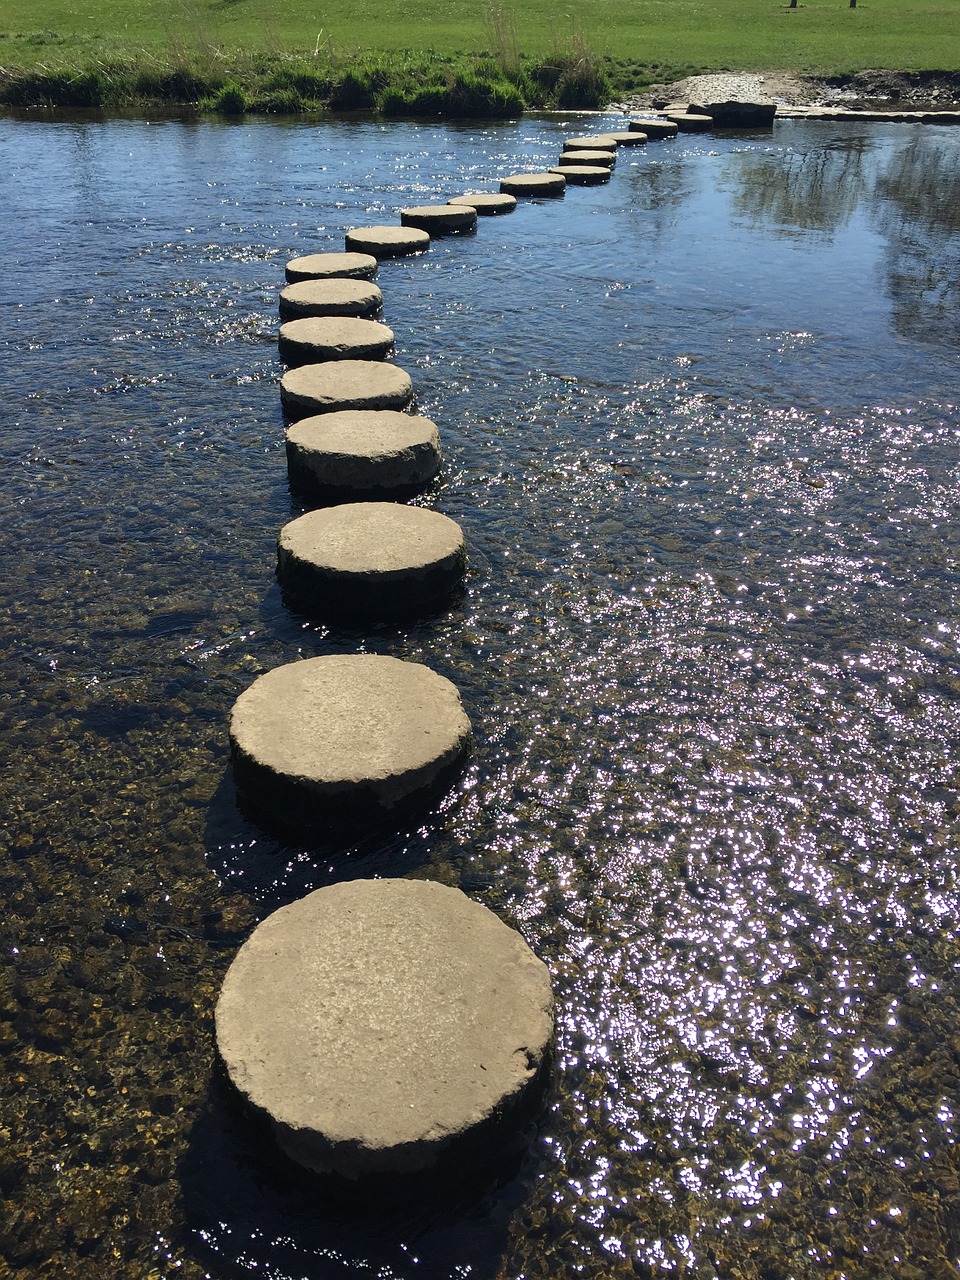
(387, 242)
(318, 338)
(655, 127)
(387, 1028)
(329, 298)
(362, 453)
(596, 142)
(584, 175)
(488, 203)
(690, 122)
(533, 184)
(346, 741)
(344, 384)
(326, 266)
(370, 559)
(605, 158)
(440, 219)
(629, 138)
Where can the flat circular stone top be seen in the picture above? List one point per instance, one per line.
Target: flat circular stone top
(345, 740)
(655, 127)
(336, 297)
(334, 338)
(440, 218)
(380, 1024)
(345, 384)
(629, 138)
(533, 184)
(318, 266)
(375, 558)
(488, 203)
(362, 451)
(690, 122)
(598, 142)
(605, 158)
(584, 175)
(387, 242)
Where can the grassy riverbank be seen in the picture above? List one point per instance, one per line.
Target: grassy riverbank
(355, 54)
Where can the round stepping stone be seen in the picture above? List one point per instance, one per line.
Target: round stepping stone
(629, 138)
(533, 184)
(387, 242)
(654, 128)
(319, 338)
(370, 453)
(329, 298)
(344, 384)
(691, 123)
(376, 559)
(440, 219)
(488, 203)
(598, 142)
(387, 1027)
(605, 158)
(584, 175)
(325, 266)
(346, 741)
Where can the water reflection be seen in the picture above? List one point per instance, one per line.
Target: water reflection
(803, 190)
(709, 646)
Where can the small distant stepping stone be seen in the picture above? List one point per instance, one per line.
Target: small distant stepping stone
(629, 138)
(533, 184)
(346, 741)
(598, 142)
(386, 1028)
(362, 453)
(605, 158)
(329, 298)
(326, 266)
(487, 204)
(388, 242)
(319, 338)
(372, 559)
(689, 122)
(344, 384)
(584, 175)
(654, 128)
(440, 219)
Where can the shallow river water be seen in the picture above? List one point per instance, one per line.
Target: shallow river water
(701, 430)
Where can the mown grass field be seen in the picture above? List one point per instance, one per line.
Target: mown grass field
(217, 43)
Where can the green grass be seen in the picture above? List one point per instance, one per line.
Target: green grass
(449, 58)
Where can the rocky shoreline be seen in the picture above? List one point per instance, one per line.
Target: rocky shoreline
(900, 92)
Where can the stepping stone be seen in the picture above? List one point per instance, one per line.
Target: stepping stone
(487, 204)
(387, 242)
(362, 453)
(533, 184)
(440, 219)
(688, 122)
(629, 138)
(325, 266)
(654, 128)
(346, 741)
(319, 338)
(372, 559)
(329, 298)
(599, 142)
(385, 1028)
(584, 175)
(605, 158)
(344, 384)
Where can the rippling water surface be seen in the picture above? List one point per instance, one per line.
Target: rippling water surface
(701, 431)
